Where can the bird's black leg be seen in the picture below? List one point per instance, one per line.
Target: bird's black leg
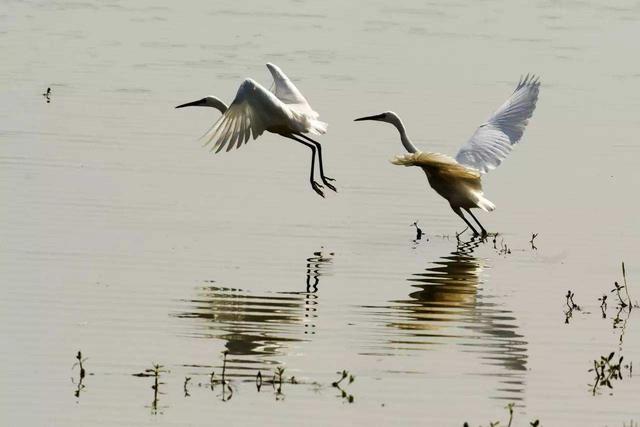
(484, 232)
(325, 179)
(459, 213)
(316, 187)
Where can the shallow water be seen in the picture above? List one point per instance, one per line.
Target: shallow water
(124, 239)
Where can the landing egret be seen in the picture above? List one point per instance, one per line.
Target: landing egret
(458, 180)
(284, 111)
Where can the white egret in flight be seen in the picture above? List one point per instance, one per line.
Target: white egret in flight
(284, 111)
(458, 180)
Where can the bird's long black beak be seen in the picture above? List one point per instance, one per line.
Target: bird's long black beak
(192, 104)
(376, 117)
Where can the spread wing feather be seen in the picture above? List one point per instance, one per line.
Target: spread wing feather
(493, 140)
(252, 111)
(287, 92)
(255, 109)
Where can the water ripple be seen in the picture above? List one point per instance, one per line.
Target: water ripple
(256, 328)
(447, 306)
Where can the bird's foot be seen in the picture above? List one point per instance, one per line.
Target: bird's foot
(328, 184)
(317, 188)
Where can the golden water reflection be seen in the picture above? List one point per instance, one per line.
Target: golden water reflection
(447, 306)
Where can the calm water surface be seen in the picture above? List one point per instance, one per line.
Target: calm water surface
(124, 239)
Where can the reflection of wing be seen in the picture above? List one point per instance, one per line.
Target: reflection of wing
(251, 324)
(492, 141)
(288, 93)
(253, 111)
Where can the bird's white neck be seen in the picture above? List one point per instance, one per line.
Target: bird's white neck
(406, 142)
(395, 120)
(212, 101)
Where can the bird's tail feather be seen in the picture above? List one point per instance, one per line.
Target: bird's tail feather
(308, 123)
(317, 127)
(485, 204)
(404, 160)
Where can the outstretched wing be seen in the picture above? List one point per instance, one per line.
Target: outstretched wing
(252, 111)
(288, 93)
(492, 141)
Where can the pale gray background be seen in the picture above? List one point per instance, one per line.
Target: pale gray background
(114, 218)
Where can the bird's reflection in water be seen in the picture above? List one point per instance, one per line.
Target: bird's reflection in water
(257, 327)
(445, 307)
(316, 267)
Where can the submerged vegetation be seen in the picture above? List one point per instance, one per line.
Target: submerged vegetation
(501, 248)
(609, 369)
(276, 380)
(571, 305)
(419, 231)
(184, 386)
(154, 372)
(47, 95)
(343, 394)
(81, 374)
(509, 407)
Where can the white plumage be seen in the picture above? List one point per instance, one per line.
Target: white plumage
(492, 141)
(284, 111)
(459, 180)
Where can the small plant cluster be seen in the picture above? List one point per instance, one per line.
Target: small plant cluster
(503, 248)
(227, 391)
(623, 303)
(509, 407)
(571, 305)
(81, 374)
(154, 372)
(603, 305)
(617, 288)
(343, 394)
(606, 370)
(276, 381)
(419, 232)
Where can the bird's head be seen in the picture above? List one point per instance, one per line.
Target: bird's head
(388, 116)
(209, 101)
